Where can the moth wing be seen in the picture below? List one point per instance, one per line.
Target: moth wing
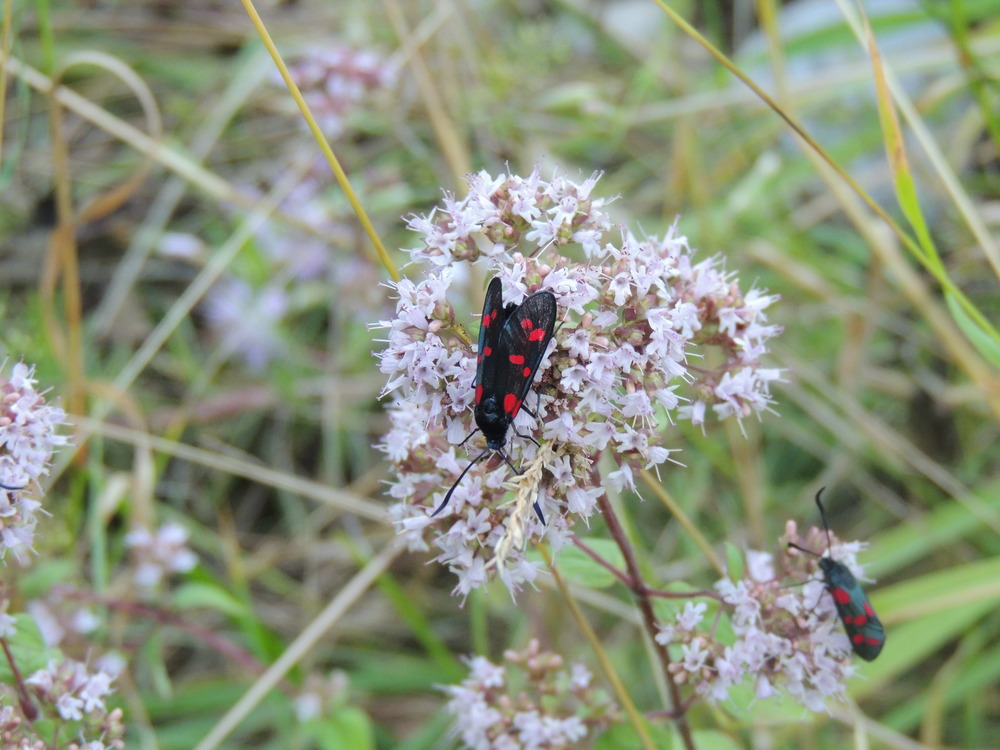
(526, 335)
(864, 629)
(490, 332)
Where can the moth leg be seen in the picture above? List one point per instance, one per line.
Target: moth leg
(469, 436)
(527, 437)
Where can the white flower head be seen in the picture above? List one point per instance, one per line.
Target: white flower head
(28, 440)
(613, 377)
(530, 701)
(787, 639)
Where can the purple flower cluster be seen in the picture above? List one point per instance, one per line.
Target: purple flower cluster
(247, 321)
(532, 701)
(631, 313)
(28, 439)
(787, 639)
(68, 702)
(156, 555)
(334, 80)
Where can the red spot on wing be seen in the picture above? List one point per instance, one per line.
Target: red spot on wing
(859, 638)
(537, 335)
(873, 641)
(479, 393)
(517, 359)
(526, 324)
(841, 596)
(511, 403)
(868, 610)
(860, 620)
(527, 372)
(487, 351)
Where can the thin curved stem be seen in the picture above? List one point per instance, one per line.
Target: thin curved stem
(645, 604)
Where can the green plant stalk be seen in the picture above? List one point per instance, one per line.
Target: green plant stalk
(410, 614)
(682, 518)
(945, 282)
(595, 643)
(5, 41)
(314, 128)
(892, 136)
(974, 69)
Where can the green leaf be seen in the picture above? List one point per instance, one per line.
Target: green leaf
(937, 593)
(624, 737)
(984, 343)
(711, 739)
(734, 562)
(980, 672)
(576, 566)
(28, 649)
(349, 727)
(210, 596)
(938, 528)
(936, 609)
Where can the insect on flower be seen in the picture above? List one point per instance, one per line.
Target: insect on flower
(864, 629)
(512, 343)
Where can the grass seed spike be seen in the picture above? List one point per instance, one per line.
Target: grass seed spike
(512, 343)
(864, 629)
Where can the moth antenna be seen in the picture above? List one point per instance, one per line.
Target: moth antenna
(468, 436)
(461, 476)
(8, 487)
(822, 514)
(803, 549)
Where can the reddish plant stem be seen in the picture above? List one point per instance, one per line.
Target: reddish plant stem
(582, 546)
(208, 637)
(643, 601)
(627, 581)
(706, 593)
(28, 708)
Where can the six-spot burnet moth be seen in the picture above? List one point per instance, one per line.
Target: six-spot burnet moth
(512, 343)
(864, 629)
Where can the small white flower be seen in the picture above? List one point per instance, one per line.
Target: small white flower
(691, 615)
(159, 554)
(69, 707)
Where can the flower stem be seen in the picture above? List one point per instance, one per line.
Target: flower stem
(606, 666)
(644, 602)
(28, 708)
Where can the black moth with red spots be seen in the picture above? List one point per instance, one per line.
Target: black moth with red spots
(864, 629)
(512, 343)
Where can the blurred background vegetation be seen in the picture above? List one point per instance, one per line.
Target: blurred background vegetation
(192, 282)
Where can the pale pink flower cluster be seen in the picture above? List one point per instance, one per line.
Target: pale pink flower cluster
(787, 639)
(28, 440)
(530, 701)
(157, 554)
(508, 213)
(69, 703)
(336, 79)
(247, 321)
(58, 618)
(630, 317)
